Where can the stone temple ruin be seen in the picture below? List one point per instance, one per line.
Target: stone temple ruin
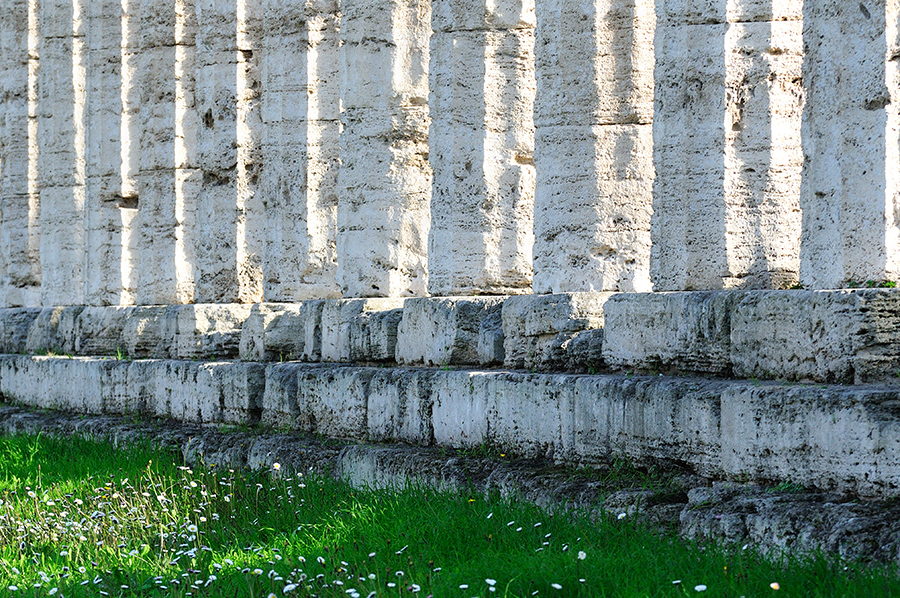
(603, 225)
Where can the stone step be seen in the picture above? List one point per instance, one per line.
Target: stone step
(832, 437)
(845, 336)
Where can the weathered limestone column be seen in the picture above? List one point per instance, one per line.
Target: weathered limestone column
(851, 143)
(109, 213)
(301, 117)
(157, 275)
(61, 162)
(227, 214)
(593, 116)
(384, 184)
(481, 147)
(20, 277)
(727, 152)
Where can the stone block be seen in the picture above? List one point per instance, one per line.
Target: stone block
(274, 332)
(491, 339)
(822, 336)
(446, 331)
(400, 405)
(332, 401)
(832, 438)
(151, 331)
(350, 333)
(663, 331)
(373, 335)
(15, 327)
(538, 328)
(100, 331)
(211, 330)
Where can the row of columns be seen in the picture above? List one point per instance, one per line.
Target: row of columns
(175, 151)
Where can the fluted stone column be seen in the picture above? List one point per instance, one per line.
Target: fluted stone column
(384, 185)
(109, 213)
(61, 161)
(593, 147)
(300, 111)
(481, 147)
(157, 275)
(726, 145)
(851, 143)
(228, 239)
(20, 272)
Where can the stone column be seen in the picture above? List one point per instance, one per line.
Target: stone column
(108, 211)
(20, 277)
(481, 147)
(593, 117)
(851, 143)
(301, 119)
(726, 145)
(157, 279)
(384, 185)
(61, 162)
(227, 212)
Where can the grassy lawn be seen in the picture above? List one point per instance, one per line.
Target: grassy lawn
(78, 518)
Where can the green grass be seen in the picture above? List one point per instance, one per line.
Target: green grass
(78, 518)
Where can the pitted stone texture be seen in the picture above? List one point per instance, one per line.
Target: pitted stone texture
(851, 179)
(797, 521)
(20, 272)
(273, 331)
(300, 111)
(223, 392)
(662, 331)
(210, 330)
(15, 326)
(101, 331)
(538, 328)
(353, 330)
(155, 145)
(53, 331)
(834, 438)
(333, 401)
(824, 336)
(399, 406)
(60, 158)
(828, 437)
(384, 184)
(151, 331)
(593, 145)
(726, 199)
(481, 147)
(446, 331)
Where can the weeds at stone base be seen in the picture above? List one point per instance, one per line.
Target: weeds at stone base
(80, 519)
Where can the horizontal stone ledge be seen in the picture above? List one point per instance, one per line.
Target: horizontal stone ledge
(846, 336)
(829, 437)
(842, 336)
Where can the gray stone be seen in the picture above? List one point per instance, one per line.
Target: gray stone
(447, 331)
(538, 328)
(662, 331)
